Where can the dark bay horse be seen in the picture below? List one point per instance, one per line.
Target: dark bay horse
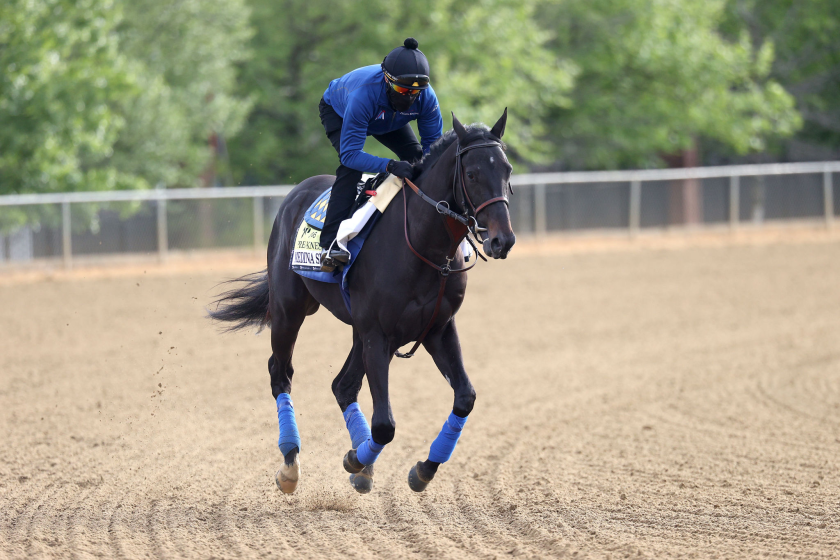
(404, 286)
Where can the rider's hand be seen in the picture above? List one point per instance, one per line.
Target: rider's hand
(400, 169)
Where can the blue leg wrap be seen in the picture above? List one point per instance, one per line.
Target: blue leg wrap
(357, 425)
(368, 452)
(289, 436)
(444, 444)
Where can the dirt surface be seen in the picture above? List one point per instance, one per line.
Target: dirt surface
(653, 403)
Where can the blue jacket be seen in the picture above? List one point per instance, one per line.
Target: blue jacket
(361, 99)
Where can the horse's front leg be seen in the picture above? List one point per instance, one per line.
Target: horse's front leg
(445, 349)
(376, 354)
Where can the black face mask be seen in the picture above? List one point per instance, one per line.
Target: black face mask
(400, 102)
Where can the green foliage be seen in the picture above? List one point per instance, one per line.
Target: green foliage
(115, 94)
(61, 77)
(804, 35)
(184, 55)
(484, 56)
(655, 76)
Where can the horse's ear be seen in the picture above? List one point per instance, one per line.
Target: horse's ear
(460, 131)
(499, 128)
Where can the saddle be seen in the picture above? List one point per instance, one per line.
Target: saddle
(317, 211)
(374, 196)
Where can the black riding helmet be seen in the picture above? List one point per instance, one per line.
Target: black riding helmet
(407, 73)
(407, 66)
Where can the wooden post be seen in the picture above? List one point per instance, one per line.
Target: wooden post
(162, 226)
(828, 199)
(635, 207)
(66, 232)
(734, 201)
(259, 217)
(540, 226)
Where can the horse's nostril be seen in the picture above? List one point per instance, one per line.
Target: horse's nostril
(496, 246)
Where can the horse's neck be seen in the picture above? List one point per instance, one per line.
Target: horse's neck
(426, 223)
(437, 181)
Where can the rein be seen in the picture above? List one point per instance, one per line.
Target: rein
(458, 227)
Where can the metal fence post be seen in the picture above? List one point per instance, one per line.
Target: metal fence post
(734, 201)
(828, 198)
(162, 229)
(540, 227)
(66, 231)
(259, 217)
(635, 206)
(522, 217)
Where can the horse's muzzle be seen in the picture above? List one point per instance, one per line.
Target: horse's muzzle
(499, 246)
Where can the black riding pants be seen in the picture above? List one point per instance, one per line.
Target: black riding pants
(402, 142)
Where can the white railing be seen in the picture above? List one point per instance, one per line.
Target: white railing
(537, 182)
(634, 178)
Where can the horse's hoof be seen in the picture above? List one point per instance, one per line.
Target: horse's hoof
(288, 475)
(415, 481)
(362, 481)
(351, 462)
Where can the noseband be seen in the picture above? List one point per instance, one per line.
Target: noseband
(458, 226)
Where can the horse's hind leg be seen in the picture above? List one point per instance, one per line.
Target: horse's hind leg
(346, 387)
(445, 349)
(287, 314)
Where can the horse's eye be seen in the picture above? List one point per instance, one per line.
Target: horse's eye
(471, 175)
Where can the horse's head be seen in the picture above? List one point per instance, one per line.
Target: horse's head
(483, 185)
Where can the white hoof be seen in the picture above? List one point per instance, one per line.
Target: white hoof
(288, 475)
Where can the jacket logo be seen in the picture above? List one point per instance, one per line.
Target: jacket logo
(380, 116)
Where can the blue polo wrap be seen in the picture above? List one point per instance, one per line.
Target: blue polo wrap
(289, 436)
(367, 450)
(357, 425)
(444, 444)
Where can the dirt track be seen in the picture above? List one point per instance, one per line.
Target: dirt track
(654, 403)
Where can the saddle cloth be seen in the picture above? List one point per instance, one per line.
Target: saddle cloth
(351, 235)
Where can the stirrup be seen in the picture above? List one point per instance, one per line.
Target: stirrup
(327, 264)
(331, 259)
(340, 256)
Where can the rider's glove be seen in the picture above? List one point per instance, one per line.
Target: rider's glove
(400, 169)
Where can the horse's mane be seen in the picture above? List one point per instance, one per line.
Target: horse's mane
(475, 132)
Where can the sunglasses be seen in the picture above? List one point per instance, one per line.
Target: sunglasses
(407, 85)
(402, 90)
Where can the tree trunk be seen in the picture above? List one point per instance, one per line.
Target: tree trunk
(685, 197)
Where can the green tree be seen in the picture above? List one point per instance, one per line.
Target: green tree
(184, 54)
(804, 35)
(484, 56)
(105, 94)
(656, 75)
(61, 79)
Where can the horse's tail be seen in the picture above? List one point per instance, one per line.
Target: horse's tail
(245, 306)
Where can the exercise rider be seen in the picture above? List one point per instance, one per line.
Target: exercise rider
(378, 101)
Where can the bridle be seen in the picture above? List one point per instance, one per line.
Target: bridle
(457, 225)
(459, 179)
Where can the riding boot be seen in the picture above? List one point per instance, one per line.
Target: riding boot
(342, 197)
